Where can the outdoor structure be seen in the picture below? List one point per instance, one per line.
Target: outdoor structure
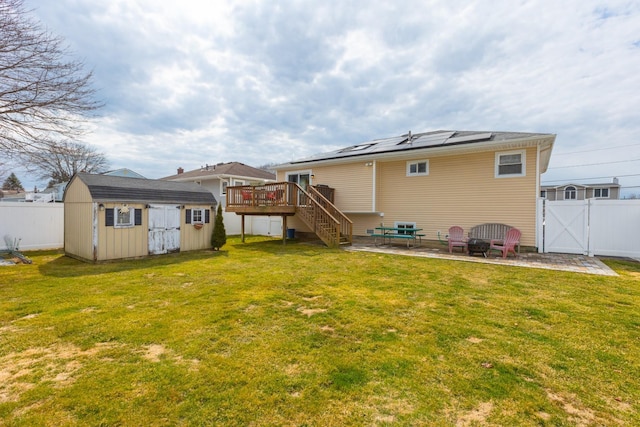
(216, 178)
(570, 191)
(431, 181)
(111, 217)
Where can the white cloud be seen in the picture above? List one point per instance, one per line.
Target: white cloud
(207, 81)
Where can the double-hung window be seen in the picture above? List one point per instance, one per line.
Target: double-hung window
(418, 168)
(510, 164)
(601, 193)
(197, 216)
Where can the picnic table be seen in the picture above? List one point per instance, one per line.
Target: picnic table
(411, 235)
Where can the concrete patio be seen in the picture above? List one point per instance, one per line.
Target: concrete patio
(430, 249)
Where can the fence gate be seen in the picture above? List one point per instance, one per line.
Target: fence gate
(566, 227)
(164, 229)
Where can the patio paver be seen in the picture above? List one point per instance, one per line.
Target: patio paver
(560, 262)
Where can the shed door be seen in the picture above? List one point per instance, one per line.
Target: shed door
(164, 229)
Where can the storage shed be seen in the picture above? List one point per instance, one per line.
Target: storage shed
(113, 217)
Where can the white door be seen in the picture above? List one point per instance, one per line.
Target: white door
(164, 229)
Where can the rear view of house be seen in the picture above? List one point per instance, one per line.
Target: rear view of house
(113, 217)
(431, 180)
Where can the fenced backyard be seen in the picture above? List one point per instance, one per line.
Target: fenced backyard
(266, 334)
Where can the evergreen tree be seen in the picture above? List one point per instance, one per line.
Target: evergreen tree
(12, 183)
(219, 235)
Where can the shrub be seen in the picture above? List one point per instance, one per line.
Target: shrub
(219, 235)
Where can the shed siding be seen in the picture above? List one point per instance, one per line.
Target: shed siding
(192, 239)
(116, 243)
(78, 221)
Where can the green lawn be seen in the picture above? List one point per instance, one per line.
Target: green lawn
(265, 334)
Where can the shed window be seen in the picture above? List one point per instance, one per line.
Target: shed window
(417, 168)
(124, 216)
(119, 217)
(198, 216)
(510, 164)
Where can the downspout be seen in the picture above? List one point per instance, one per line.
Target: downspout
(373, 186)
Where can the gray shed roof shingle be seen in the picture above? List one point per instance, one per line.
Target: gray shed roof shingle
(105, 188)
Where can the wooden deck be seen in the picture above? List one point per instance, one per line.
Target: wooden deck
(287, 199)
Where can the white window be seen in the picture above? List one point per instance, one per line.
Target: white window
(402, 225)
(124, 216)
(223, 187)
(197, 216)
(418, 168)
(510, 164)
(601, 192)
(570, 193)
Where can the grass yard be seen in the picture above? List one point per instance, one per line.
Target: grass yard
(266, 334)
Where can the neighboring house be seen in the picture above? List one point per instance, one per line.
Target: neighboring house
(432, 180)
(124, 172)
(570, 191)
(216, 179)
(111, 217)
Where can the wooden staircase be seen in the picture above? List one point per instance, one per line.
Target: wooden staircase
(323, 218)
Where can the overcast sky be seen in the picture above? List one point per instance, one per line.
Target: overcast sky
(190, 82)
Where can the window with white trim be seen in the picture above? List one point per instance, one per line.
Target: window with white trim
(401, 225)
(197, 216)
(418, 168)
(223, 187)
(124, 216)
(543, 194)
(510, 164)
(570, 193)
(601, 193)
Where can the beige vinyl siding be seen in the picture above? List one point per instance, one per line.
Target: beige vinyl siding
(130, 242)
(459, 190)
(192, 238)
(355, 181)
(78, 221)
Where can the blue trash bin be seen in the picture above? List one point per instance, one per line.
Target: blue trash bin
(291, 233)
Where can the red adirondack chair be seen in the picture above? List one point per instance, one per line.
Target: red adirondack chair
(456, 238)
(511, 240)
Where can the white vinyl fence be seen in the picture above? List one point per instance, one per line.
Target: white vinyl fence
(590, 227)
(39, 226)
(33, 225)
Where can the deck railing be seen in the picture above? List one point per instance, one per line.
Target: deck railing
(318, 213)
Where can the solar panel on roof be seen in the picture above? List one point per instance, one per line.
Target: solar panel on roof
(469, 138)
(431, 139)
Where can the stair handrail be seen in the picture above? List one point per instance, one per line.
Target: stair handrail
(335, 211)
(333, 240)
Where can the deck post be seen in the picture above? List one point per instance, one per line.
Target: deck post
(284, 229)
(242, 229)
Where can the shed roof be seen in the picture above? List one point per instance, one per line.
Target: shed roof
(106, 188)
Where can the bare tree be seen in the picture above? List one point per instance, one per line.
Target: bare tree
(44, 95)
(65, 159)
